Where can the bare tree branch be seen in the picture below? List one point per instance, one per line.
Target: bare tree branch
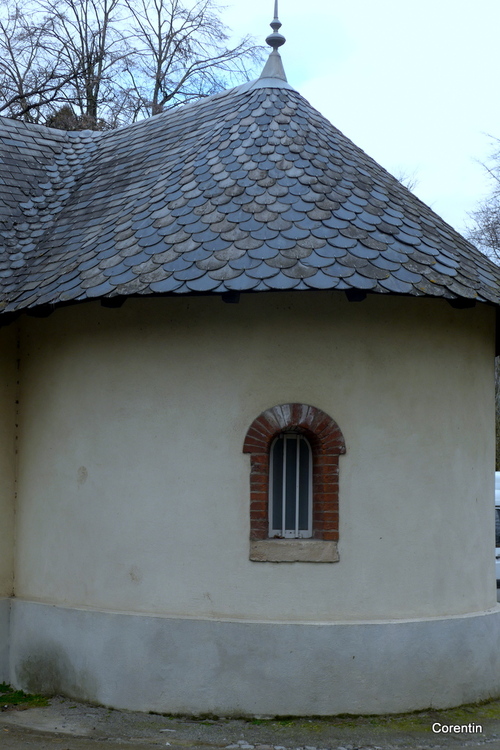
(113, 61)
(32, 70)
(484, 230)
(181, 53)
(93, 49)
(408, 179)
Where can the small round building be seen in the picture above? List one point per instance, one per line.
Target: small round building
(247, 435)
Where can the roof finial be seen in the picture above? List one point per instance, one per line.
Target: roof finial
(275, 39)
(274, 67)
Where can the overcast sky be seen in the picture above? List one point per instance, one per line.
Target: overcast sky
(416, 85)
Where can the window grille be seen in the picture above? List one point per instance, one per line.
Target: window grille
(290, 487)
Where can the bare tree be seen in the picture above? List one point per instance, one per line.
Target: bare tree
(33, 73)
(484, 231)
(94, 50)
(408, 179)
(182, 53)
(101, 63)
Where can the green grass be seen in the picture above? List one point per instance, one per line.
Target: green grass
(418, 721)
(11, 697)
(421, 721)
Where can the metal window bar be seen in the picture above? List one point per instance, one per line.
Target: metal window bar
(290, 487)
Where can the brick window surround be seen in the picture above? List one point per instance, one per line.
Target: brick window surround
(327, 444)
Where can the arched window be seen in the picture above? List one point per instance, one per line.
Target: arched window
(294, 484)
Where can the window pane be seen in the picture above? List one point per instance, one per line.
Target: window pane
(304, 468)
(277, 483)
(291, 480)
(290, 486)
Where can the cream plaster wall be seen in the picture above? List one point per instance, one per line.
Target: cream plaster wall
(237, 668)
(8, 385)
(133, 488)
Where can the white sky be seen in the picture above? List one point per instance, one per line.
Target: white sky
(416, 85)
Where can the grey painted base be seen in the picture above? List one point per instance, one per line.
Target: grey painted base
(246, 668)
(4, 639)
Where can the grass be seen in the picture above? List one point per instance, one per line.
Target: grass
(420, 721)
(10, 697)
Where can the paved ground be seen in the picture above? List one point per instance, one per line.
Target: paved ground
(67, 725)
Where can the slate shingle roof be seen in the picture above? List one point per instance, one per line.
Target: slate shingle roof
(249, 190)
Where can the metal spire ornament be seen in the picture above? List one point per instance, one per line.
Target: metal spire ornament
(275, 39)
(274, 66)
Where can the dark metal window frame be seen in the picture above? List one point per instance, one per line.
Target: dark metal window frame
(290, 487)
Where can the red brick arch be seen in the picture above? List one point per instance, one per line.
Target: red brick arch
(327, 443)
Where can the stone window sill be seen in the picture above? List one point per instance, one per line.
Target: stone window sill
(293, 550)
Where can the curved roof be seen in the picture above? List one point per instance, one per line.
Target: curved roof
(248, 190)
